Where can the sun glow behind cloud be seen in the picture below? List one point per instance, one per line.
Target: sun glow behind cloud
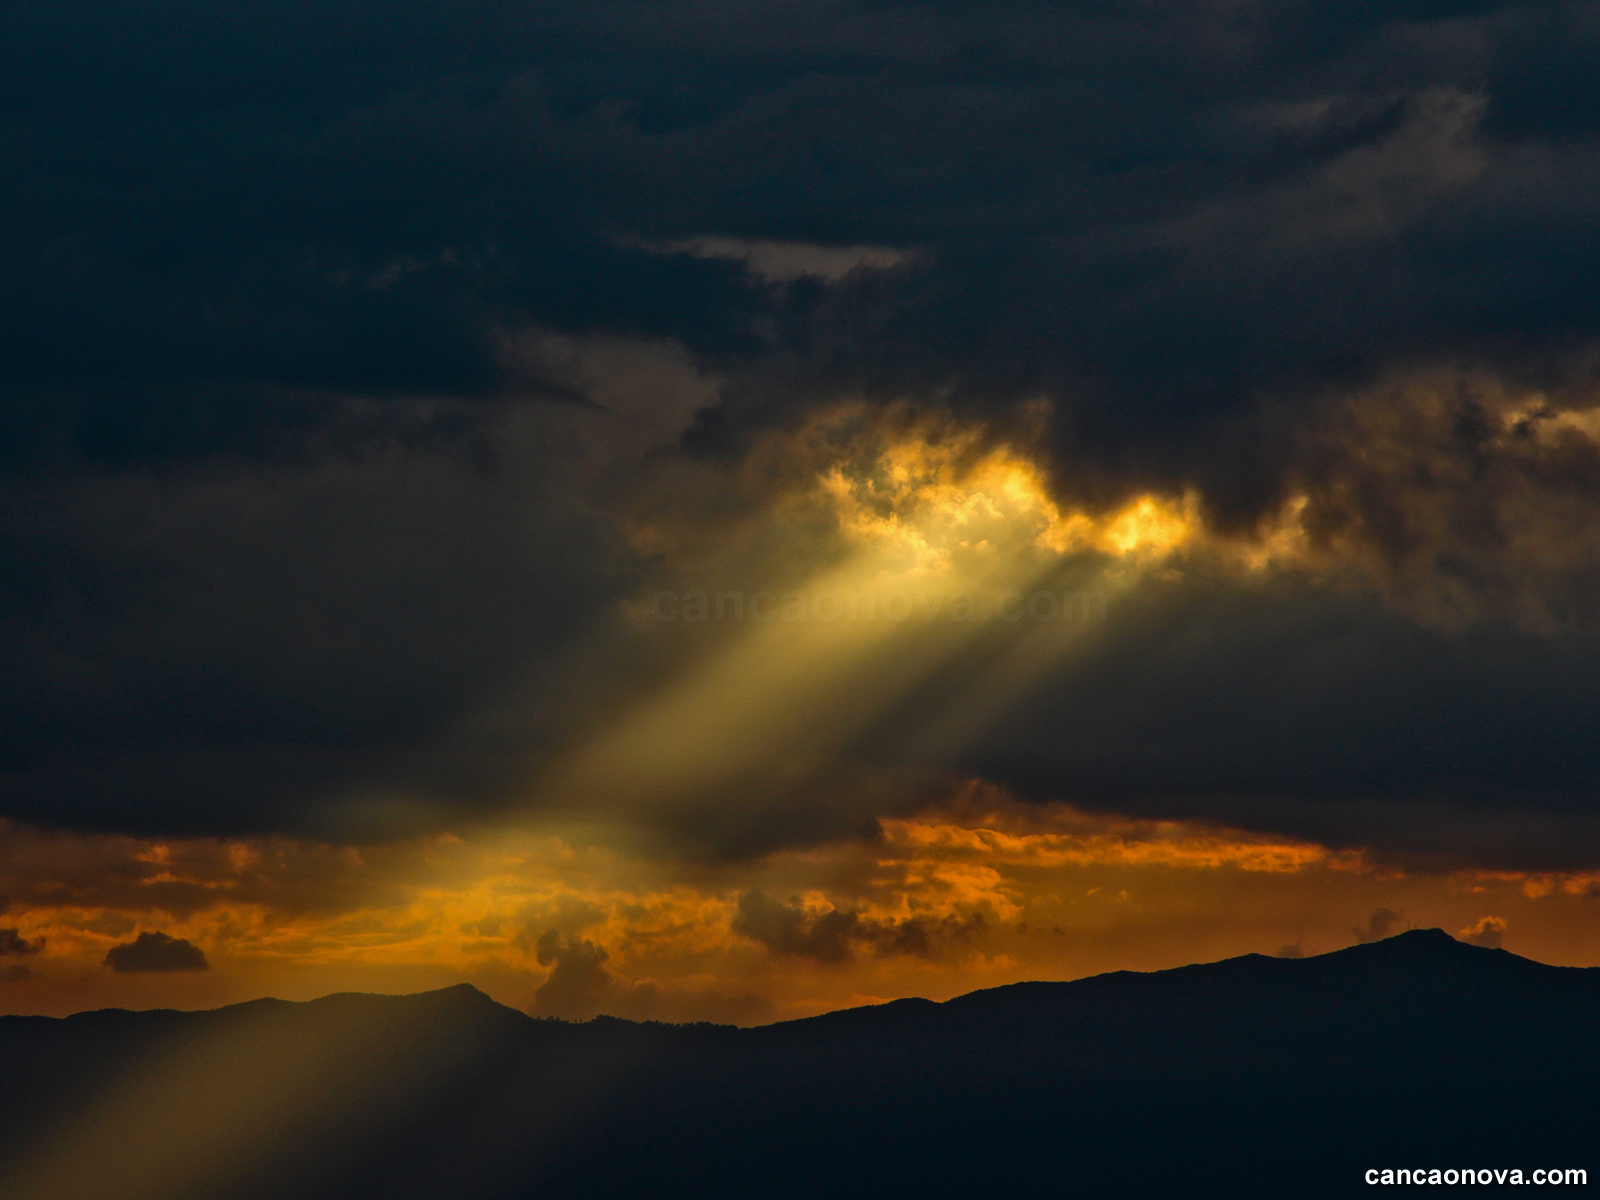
(946, 550)
(937, 500)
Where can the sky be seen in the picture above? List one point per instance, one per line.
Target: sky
(726, 511)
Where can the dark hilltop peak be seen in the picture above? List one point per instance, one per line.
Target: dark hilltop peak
(460, 1007)
(1435, 937)
(1426, 956)
(461, 990)
(460, 995)
(1422, 945)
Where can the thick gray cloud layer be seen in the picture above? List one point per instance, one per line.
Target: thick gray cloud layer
(1161, 210)
(289, 504)
(1328, 717)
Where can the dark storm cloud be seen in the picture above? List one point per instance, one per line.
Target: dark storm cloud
(156, 952)
(276, 528)
(1331, 717)
(1160, 212)
(213, 651)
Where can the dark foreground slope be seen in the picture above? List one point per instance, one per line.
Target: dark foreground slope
(1250, 1077)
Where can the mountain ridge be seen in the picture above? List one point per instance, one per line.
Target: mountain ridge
(1415, 947)
(1417, 1048)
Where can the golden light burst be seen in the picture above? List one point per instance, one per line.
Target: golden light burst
(932, 494)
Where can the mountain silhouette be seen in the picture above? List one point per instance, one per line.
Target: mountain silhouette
(1253, 1076)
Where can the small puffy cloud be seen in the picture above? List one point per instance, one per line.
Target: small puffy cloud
(1487, 931)
(830, 936)
(579, 985)
(156, 952)
(1290, 951)
(790, 930)
(12, 942)
(562, 914)
(1379, 926)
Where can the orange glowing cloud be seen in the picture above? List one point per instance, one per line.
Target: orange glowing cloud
(976, 891)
